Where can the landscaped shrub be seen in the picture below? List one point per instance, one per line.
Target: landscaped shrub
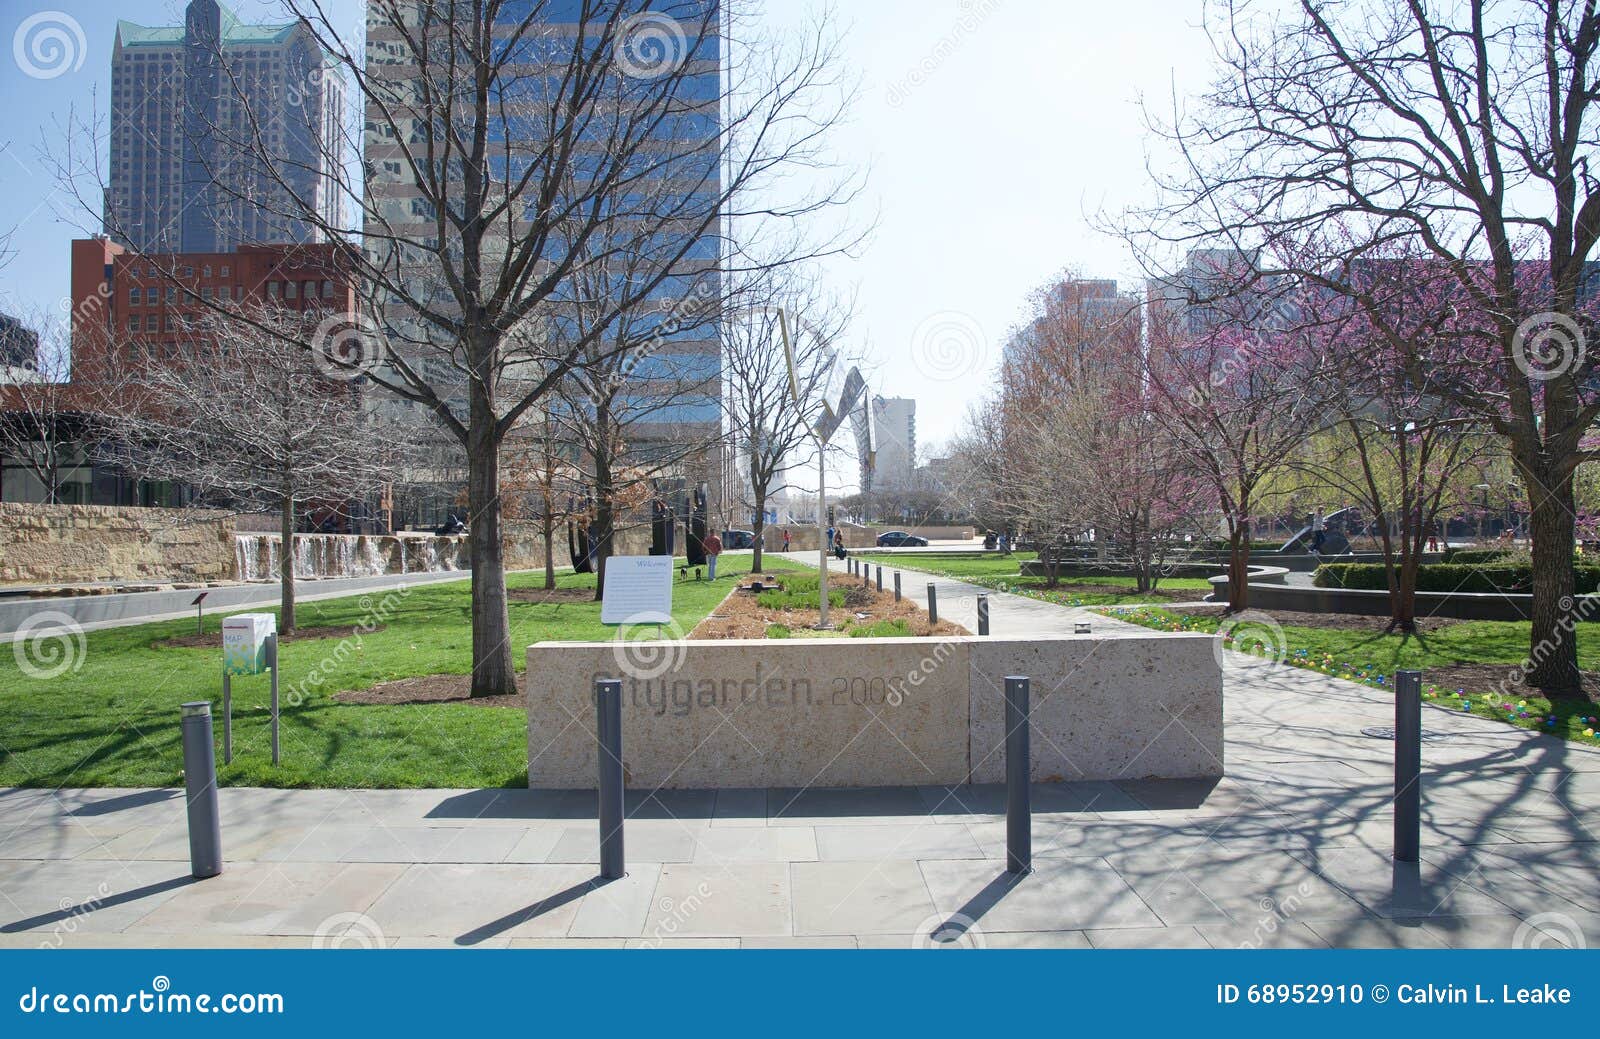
(799, 592)
(1450, 577)
(1476, 556)
(893, 628)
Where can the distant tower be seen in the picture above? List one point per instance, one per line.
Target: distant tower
(180, 181)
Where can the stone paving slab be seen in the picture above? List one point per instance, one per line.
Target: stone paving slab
(1289, 849)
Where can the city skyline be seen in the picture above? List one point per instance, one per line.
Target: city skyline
(925, 71)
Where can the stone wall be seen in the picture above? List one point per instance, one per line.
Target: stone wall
(76, 544)
(869, 712)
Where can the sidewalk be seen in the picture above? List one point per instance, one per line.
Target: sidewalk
(1291, 848)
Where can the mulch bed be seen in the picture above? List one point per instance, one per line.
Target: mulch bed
(213, 639)
(454, 689)
(1487, 678)
(739, 616)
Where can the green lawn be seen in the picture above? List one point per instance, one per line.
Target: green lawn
(1372, 659)
(1004, 573)
(113, 720)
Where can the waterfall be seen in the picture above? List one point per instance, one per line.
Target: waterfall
(256, 556)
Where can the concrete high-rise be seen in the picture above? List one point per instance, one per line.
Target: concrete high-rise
(193, 106)
(894, 426)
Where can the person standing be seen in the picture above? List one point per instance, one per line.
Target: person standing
(786, 541)
(713, 546)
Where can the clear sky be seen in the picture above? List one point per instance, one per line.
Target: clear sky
(993, 130)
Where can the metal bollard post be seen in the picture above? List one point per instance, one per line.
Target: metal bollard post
(983, 615)
(272, 649)
(1019, 814)
(200, 791)
(608, 732)
(933, 605)
(880, 577)
(897, 586)
(1407, 766)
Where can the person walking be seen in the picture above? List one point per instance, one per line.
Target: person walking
(786, 541)
(713, 546)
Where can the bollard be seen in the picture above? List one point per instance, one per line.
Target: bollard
(933, 605)
(608, 737)
(897, 586)
(880, 577)
(1019, 815)
(1407, 766)
(200, 791)
(983, 615)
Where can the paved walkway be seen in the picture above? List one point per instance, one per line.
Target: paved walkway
(1291, 848)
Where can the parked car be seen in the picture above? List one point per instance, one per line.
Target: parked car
(732, 539)
(900, 539)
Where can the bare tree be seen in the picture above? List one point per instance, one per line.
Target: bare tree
(500, 143)
(1462, 133)
(769, 416)
(245, 419)
(47, 430)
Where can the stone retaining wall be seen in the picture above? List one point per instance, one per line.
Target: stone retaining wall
(75, 544)
(869, 712)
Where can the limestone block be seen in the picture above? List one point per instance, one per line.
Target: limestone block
(755, 712)
(1103, 706)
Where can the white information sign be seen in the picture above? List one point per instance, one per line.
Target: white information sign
(638, 590)
(244, 642)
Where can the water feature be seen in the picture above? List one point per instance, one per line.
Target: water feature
(256, 556)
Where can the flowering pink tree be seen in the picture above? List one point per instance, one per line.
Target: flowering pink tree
(1236, 401)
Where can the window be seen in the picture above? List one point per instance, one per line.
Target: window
(152, 323)
(172, 293)
(133, 295)
(205, 271)
(272, 290)
(224, 270)
(171, 324)
(291, 289)
(133, 323)
(186, 272)
(205, 293)
(327, 289)
(311, 290)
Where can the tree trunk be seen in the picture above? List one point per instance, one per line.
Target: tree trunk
(549, 549)
(286, 567)
(492, 671)
(602, 530)
(760, 525)
(1553, 649)
(1239, 565)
